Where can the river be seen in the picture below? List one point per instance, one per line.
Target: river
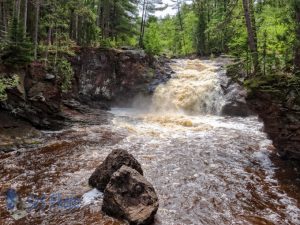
(206, 168)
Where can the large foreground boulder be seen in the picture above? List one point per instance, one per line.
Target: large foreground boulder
(111, 164)
(131, 197)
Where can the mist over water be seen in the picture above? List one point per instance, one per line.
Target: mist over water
(206, 169)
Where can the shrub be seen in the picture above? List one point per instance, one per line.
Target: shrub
(7, 83)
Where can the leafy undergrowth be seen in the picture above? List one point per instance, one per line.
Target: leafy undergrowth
(277, 83)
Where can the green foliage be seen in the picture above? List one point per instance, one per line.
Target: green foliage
(65, 71)
(190, 32)
(17, 49)
(166, 36)
(205, 27)
(275, 32)
(152, 40)
(7, 83)
(117, 20)
(89, 32)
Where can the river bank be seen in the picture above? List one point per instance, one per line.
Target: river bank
(207, 168)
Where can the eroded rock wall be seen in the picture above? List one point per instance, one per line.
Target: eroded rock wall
(37, 98)
(101, 76)
(281, 121)
(279, 111)
(110, 74)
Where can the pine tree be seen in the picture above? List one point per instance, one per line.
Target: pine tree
(148, 8)
(18, 48)
(116, 18)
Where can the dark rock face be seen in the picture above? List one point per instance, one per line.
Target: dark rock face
(114, 161)
(112, 75)
(281, 120)
(279, 112)
(101, 76)
(130, 196)
(15, 133)
(235, 96)
(37, 99)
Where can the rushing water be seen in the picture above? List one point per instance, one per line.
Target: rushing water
(207, 169)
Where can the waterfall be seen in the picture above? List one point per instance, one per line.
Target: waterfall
(195, 89)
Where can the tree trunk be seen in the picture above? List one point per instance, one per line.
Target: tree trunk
(25, 16)
(18, 9)
(297, 49)
(71, 24)
(181, 24)
(141, 44)
(48, 44)
(36, 27)
(201, 31)
(251, 29)
(1, 21)
(5, 19)
(76, 28)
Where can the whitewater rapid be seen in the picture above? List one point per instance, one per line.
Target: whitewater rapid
(206, 168)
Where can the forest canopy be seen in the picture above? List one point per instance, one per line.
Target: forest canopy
(264, 34)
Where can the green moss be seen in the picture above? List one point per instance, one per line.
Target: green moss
(7, 83)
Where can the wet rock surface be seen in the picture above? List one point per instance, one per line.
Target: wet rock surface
(221, 170)
(101, 77)
(235, 99)
(15, 133)
(114, 161)
(130, 196)
(281, 122)
(114, 75)
(280, 111)
(37, 99)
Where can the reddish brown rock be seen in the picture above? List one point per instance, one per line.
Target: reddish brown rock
(37, 99)
(281, 122)
(131, 197)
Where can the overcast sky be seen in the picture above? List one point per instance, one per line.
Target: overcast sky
(167, 11)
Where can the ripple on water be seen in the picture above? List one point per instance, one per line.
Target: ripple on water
(206, 169)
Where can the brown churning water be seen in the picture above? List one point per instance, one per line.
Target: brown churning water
(207, 169)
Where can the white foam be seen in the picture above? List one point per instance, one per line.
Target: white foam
(91, 196)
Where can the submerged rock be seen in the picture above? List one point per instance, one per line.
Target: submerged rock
(111, 164)
(131, 197)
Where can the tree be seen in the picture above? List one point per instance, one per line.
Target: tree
(178, 6)
(152, 40)
(297, 45)
(36, 27)
(251, 29)
(148, 7)
(25, 16)
(18, 49)
(201, 28)
(116, 18)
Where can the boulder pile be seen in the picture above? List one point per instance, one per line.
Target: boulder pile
(127, 193)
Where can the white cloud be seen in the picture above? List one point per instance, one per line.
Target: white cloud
(168, 11)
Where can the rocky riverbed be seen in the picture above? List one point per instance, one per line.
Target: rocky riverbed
(207, 168)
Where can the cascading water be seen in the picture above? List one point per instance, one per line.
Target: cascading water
(207, 169)
(194, 90)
